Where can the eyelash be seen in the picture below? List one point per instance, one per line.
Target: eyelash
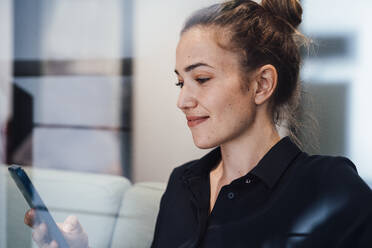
(199, 80)
(179, 84)
(202, 80)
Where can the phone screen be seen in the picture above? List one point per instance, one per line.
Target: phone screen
(33, 199)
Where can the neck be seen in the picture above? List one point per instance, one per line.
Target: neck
(241, 155)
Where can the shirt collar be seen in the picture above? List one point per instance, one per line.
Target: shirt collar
(269, 169)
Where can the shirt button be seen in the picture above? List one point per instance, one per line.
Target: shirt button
(231, 195)
(248, 181)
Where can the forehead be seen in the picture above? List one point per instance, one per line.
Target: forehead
(201, 44)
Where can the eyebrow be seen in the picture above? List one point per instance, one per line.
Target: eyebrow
(192, 67)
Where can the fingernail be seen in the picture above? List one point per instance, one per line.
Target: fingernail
(67, 227)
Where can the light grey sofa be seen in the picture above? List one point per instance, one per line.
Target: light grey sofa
(114, 212)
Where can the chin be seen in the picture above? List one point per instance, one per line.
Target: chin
(204, 143)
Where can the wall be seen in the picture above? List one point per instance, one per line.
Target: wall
(5, 68)
(5, 81)
(81, 95)
(349, 23)
(161, 139)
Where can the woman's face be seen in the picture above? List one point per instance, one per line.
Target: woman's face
(217, 106)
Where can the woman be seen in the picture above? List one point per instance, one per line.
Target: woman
(237, 65)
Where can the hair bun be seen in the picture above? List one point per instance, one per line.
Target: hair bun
(289, 10)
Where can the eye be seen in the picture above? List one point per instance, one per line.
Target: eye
(202, 80)
(179, 84)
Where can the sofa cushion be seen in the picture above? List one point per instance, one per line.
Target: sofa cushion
(136, 223)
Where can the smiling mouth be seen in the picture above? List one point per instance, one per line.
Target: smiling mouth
(192, 121)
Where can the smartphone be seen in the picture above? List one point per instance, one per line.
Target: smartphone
(33, 199)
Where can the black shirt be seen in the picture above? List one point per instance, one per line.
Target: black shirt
(290, 199)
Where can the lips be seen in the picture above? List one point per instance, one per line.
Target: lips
(192, 121)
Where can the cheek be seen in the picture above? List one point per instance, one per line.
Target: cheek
(237, 110)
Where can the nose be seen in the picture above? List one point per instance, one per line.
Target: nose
(186, 99)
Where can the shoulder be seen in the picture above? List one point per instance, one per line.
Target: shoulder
(335, 175)
(321, 162)
(327, 166)
(179, 171)
(177, 176)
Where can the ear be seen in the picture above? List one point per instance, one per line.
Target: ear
(266, 82)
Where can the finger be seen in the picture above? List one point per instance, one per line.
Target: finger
(72, 225)
(53, 244)
(74, 232)
(39, 235)
(31, 218)
(46, 245)
(60, 226)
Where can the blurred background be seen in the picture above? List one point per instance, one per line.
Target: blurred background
(88, 85)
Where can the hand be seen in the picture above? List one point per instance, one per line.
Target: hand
(71, 229)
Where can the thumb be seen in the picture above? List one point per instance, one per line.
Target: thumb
(72, 225)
